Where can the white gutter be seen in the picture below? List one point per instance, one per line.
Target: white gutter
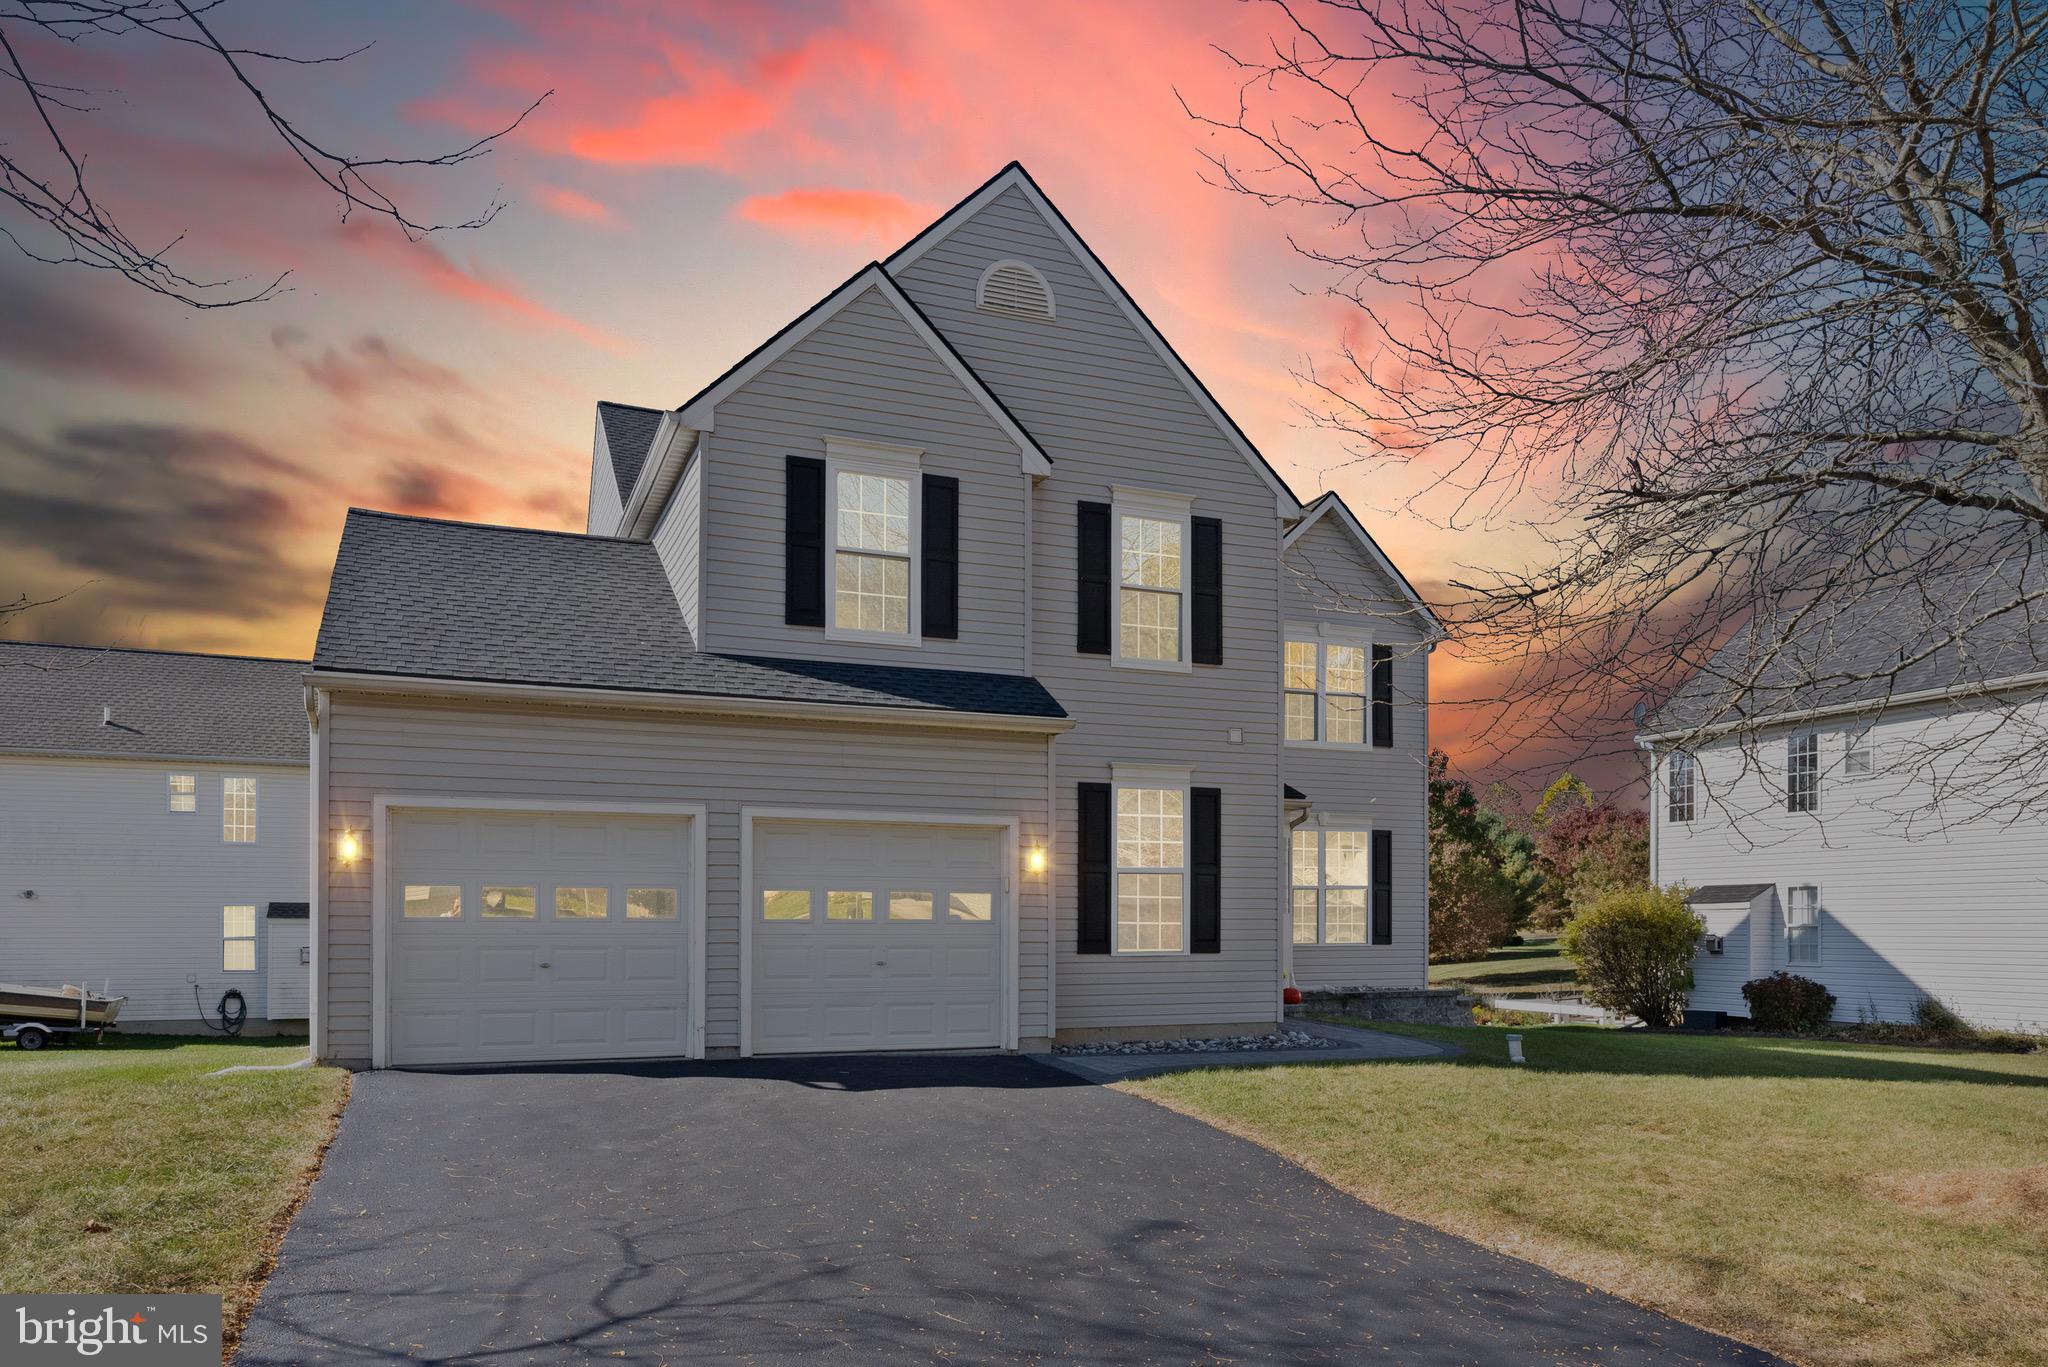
(150, 757)
(672, 444)
(705, 704)
(1844, 709)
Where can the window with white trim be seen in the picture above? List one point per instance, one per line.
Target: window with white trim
(1802, 772)
(1325, 683)
(1681, 779)
(182, 793)
(1859, 754)
(238, 939)
(238, 811)
(1150, 588)
(1331, 890)
(1151, 870)
(1802, 925)
(874, 532)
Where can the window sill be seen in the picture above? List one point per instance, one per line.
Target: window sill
(1334, 745)
(1116, 953)
(1155, 666)
(906, 641)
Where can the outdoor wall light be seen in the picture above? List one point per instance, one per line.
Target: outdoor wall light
(1035, 859)
(349, 847)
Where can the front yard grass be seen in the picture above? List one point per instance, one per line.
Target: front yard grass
(124, 1169)
(1837, 1203)
(1533, 966)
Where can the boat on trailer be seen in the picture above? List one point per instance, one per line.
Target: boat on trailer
(31, 1015)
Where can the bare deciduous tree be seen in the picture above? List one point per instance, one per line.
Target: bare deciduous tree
(1715, 311)
(64, 216)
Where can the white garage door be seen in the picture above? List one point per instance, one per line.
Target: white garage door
(869, 936)
(519, 936)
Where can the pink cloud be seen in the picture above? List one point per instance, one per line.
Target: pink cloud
(837, 215)
(571, 204)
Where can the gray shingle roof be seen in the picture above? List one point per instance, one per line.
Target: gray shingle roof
(167, 704)
(427, 598)
(628, 433)
(1726, 894)
(1972, 628)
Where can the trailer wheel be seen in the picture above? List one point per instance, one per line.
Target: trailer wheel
(32, 1037)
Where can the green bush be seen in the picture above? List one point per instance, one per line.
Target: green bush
(1634, 947)
(1786, 1001)
(1939, 1019)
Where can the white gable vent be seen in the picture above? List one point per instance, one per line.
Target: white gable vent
(1014, 289)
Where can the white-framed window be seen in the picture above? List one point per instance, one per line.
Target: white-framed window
(1681, 787)
(1152, 565)
(1324, 682)
(874, 533)
(1802, 772)
(238, 939)
(1151, 894)
(182, 793)
(1330, 885)
(238, 811)
(1859, 754)
(1802, 925)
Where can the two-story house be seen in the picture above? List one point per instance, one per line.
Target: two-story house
(918, 684)
(153, 832)
(1853, 794)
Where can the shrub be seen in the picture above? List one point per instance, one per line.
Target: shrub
(1786, 1001)
(1939, 1019)
(1634, 947)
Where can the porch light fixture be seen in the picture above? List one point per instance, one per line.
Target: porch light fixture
(348, 847)
(1034, 860)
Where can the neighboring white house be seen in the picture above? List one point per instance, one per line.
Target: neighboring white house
(153, 830)
(1847, 824)
(918, 684)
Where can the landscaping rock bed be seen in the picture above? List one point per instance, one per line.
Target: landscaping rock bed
(1220, 1044)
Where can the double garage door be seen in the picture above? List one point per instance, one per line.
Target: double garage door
(520, 937)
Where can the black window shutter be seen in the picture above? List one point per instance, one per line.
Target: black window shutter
(1383, 887)
(1207, 628)
(941, 596)
(1091, 580)
(1096, 873)
(1383, 696)
(1205, 903)
(803, 543)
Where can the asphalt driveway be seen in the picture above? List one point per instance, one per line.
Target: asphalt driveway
(876, 1209)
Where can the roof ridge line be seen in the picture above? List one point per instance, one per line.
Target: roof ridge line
(492, 526)
(161, 650)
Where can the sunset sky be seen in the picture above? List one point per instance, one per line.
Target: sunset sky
(701, 174)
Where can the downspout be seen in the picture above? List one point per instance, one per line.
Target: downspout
(1052, 888)
(316, 891)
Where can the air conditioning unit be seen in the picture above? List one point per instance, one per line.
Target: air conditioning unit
(1711, 943)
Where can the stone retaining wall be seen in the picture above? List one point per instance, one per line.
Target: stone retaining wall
(1416, 1006)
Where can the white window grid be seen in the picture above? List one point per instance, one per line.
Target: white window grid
(1330, 900)
(181, 792)
(1326, 685)
(1802, 772)
(238, 811)
(1802, 924)
(1151, 869)
(1682, 787)
(238, 939)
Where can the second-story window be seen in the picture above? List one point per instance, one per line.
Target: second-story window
(1802, 773)
(1151, 589)
(1325, 686)
(184, 793)
(238, 811)
(871, 560)
(1681, 778)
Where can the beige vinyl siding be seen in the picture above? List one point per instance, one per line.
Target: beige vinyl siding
(1910, 907)
(1107, 411)
(678, 540)
(603, 511)
(863, 374)
(385, 745)
(130, 892)
(1327, 576)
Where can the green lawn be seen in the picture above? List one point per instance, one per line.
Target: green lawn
(1533, 967)
(1838, 1203)
(123, 1169)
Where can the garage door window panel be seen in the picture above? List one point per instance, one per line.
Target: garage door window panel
(650, 904)
(910, 906)
(850, 906)
(971, 906)
(507, 902)
(582, 904)
(789, 904)
(432, 901)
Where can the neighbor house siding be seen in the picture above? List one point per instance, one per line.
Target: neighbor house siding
(1327, 576)
(863, 374)
(603, 510)
(1107, 411)
(678, 540)
(1915, 900)
(385, 746)
(130, 893)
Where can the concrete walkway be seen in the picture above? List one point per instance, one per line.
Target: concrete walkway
(1348, 1045)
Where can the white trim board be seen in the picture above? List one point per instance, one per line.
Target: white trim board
(750, 895)
(1330, 501)
(380, 890)
(1014, 176)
